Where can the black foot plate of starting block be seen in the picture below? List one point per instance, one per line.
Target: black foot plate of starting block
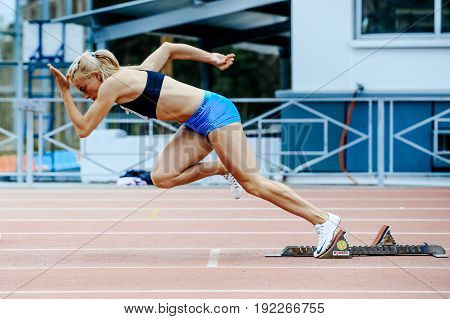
(384, 244)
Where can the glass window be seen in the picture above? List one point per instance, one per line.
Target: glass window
(446, 17)
(396, 16)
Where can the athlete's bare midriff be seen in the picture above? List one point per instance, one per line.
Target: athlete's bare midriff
(177, 101)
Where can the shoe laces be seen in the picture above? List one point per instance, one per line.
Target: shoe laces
(318, 229)
(232, 180)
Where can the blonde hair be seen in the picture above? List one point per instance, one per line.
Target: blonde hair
(102, 61)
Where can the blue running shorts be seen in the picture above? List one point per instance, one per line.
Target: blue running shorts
(214, 111)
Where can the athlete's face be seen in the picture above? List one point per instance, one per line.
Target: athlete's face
(89, 86)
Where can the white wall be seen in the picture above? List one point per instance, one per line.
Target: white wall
(323, 48)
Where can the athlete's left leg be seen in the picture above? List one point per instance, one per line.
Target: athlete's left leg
(233, 149)
(179, 161)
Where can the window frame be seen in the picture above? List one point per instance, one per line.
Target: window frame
(437, 34)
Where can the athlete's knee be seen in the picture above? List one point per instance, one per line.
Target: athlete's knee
(162, 180)
(253, 184)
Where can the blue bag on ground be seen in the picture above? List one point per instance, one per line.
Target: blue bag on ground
(135, 178)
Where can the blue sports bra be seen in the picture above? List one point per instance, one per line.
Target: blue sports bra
(144, 105)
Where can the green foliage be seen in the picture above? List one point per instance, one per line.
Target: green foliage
(252, 75)
(6, 47)
(133, 50)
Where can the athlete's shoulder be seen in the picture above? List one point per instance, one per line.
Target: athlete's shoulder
(123, 74)
(122, 78)
(117, 84)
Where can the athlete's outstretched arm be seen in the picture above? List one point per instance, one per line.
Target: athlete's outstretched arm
(85, 124)
(179, 51)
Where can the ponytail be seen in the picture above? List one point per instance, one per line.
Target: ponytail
(108, 63)
(102, 61)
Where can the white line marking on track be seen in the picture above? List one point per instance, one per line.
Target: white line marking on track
(49, 209)
(287, 219)
(205, 198)
(213, 258)
(131, 249)
(23, 292)
(209, 233)
(316, 267)
(143, 249)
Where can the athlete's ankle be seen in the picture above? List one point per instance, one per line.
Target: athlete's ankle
(320, 218)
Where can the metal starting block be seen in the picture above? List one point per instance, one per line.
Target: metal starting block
(383, 245)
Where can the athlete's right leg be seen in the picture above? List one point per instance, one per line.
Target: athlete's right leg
(178, 163)
(233, 148)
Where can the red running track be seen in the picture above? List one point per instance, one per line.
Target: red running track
(200, 243)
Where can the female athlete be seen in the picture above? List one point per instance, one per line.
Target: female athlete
(209, 122)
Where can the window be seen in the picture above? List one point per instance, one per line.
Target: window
(413, 18)
(446, 16)
(442, 143)
(395, 16)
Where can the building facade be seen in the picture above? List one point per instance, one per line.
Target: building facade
(398, 52)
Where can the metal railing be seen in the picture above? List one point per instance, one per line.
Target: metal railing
(11, 138)
(400, 136)
(325, 121)
(371, 131)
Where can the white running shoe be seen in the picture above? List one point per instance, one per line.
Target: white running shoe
(235, 188)
(326, 232)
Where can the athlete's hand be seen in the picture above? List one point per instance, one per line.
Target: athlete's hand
(222, 62)
(62, 81)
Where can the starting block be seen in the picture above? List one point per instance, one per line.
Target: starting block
(384, 244)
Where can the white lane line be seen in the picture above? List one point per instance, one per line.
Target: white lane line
(202, 209)
(287, 219)
(114, 249)
(213, 258)
(133, 249)
(211, 233)
(316, 267)
(24, 292)
(178, 199)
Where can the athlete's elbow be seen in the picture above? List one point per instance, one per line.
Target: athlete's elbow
(83, 133)
(168, 47)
